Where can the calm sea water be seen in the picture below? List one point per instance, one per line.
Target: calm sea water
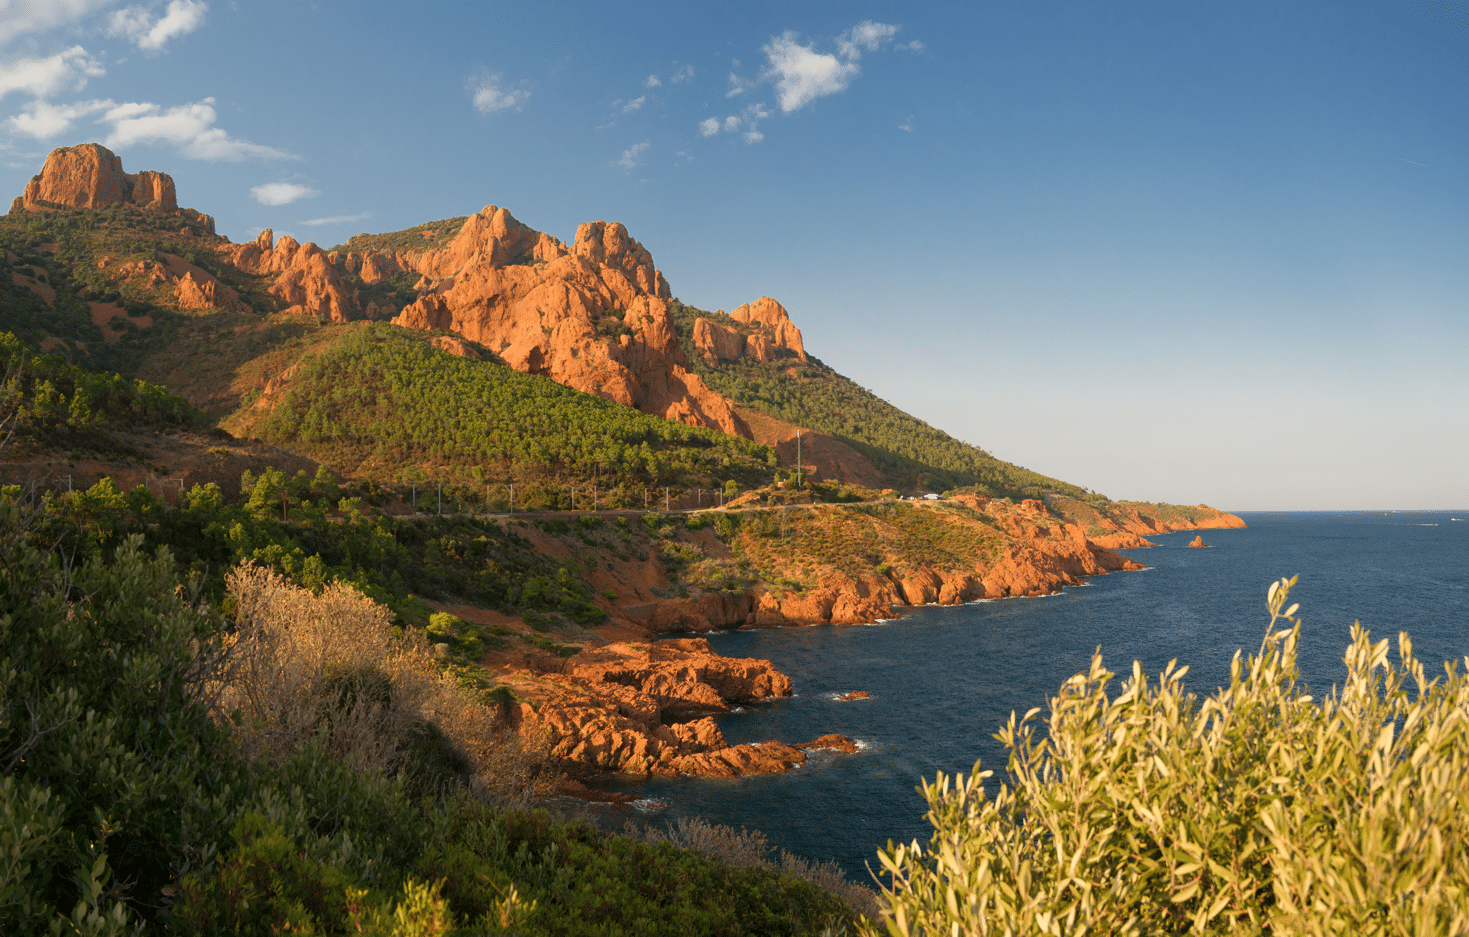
(943, 679)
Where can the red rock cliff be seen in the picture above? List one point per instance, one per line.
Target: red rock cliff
(594, 317)
(91, 176)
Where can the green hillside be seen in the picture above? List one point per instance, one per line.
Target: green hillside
(382, 403)
(903, 447)
(430, 234)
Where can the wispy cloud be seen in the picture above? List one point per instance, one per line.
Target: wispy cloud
(865, 35)
(907, 124)
(682, 74)
(151, 33)
(743, 123)
(633, 155)
(43, 121)
(18, 17)
(67, 70)
(653, 82)
(490, 95)
(190, 127)
(914, 46)
(738, 85)
(634, 105)
(281, 193)
(339, 219)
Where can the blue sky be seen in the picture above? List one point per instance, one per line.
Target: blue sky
(1183, 252)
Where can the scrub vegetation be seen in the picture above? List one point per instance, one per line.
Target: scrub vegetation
(1259, 810)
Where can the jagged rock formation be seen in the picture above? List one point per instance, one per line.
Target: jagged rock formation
(604, 709)
(771, 332)
(91, 176)
(305, 279)
(594, 317)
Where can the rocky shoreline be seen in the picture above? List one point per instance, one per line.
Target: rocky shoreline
(642, 705)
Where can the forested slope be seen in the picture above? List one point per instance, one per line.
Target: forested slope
(811, 394)
(383, 403)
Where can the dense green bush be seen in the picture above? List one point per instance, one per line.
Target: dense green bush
(1257, 810)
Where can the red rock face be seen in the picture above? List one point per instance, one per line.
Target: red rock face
(91, 176)
(594, 317)
(306, 281)
(779, 332)
(606, 709)
(154, 190)
(86, 176)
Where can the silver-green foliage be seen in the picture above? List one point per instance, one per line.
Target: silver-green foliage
(1256, 810)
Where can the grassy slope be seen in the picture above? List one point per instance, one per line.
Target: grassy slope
(903, 447)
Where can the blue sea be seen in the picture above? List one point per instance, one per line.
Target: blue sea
(943, 679)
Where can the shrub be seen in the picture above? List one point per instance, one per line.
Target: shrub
(328, 669)
(1257, 810)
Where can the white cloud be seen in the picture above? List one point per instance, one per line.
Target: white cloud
(907, 124)
(735, 123)
(865, 35)
(65, 71)
(43, 121)
(738, 85)
(490, 96)
(190, 127)
(652, 82)
(914, 46)
(151, 34)
(18, 17)
(683, 73)
(802, 74)
(634, 104)
(339, 219)
(281, 193)
(632, 155)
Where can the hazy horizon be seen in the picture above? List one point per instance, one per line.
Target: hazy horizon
(1205, 253)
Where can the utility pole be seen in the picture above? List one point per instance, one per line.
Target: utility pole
(665, 500)
(800, 469)
(441, 499)
(415, 497)
(512, 499)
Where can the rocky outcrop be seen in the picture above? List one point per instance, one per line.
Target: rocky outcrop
(1198, 543)
(306, 283)
(772, 335)
(775, 331)
(716, 342)
(91, 176)
(86, 176)
(154, 191)
(606, 710)
(594, 317)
